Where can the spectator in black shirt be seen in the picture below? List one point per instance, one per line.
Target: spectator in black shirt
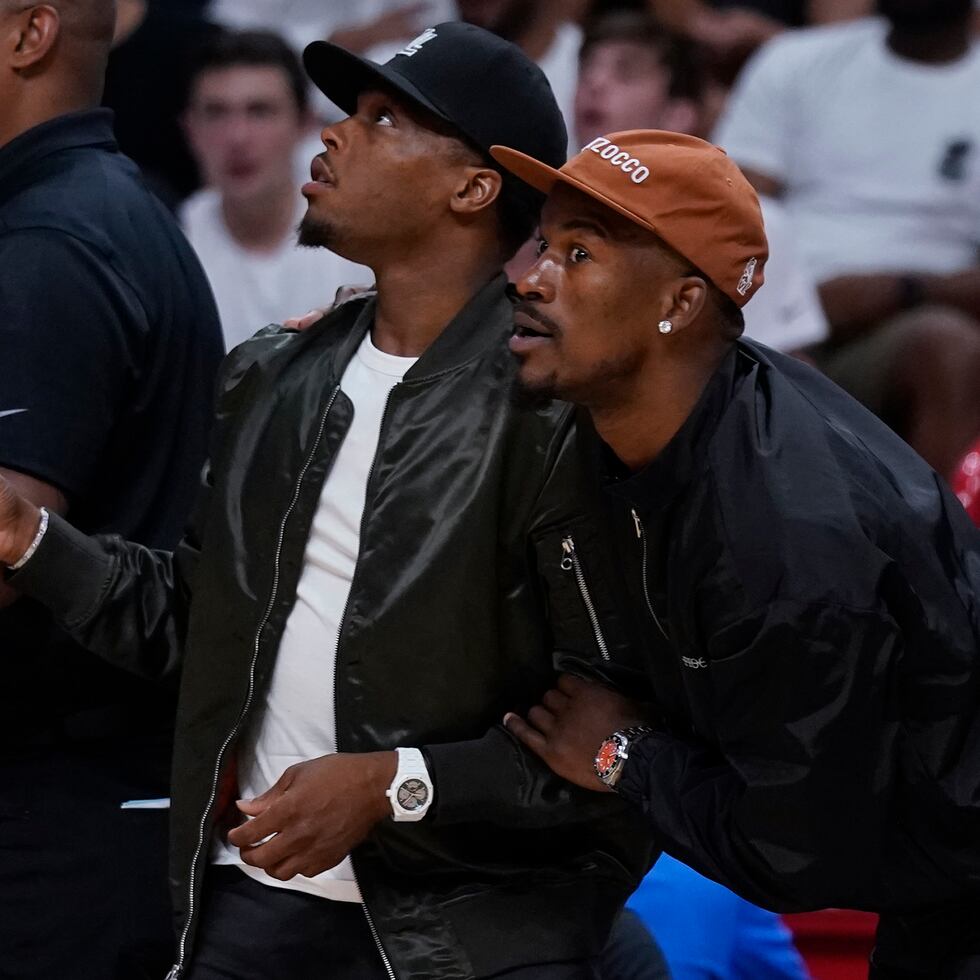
(109, 343)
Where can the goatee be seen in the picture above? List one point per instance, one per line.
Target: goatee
(313, 233)
(532, 398)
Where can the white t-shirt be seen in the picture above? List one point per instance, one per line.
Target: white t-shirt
(254, 289)
(879, 155)
(295, 721)
(785, 313)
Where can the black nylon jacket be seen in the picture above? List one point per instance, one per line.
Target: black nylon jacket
(817, 670)
(458, 602)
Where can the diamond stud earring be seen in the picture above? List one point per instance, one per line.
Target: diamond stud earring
(665, 326)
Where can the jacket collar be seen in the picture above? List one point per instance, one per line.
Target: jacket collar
(684, 458)
(485, 321)
(89, 127)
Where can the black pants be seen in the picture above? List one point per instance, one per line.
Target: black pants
(83, 884)
(632, 953)
(250, 931)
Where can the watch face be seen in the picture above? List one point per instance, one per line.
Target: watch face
(607, 757)
(413, 794)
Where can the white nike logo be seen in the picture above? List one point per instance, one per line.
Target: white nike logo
(12, 411)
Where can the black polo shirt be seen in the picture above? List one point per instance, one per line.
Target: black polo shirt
(109, 345)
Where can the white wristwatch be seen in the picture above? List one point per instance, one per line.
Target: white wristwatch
(411, 791)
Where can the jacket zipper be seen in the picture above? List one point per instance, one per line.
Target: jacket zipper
(340, 633)
(178, 967)
(646, 595)
(375, 936)
(570, 562)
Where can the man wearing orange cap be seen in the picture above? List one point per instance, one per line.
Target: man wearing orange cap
(811, 589)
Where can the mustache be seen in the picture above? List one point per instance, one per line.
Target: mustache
(533, 313)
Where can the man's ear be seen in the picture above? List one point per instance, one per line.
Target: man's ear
(687, 302)
(477, 192)
(34, 33)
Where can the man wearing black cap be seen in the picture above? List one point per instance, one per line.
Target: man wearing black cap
(362, 591)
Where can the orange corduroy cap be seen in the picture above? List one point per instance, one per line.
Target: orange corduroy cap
(684, 190)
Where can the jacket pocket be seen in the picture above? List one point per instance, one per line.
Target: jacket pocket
(582, 608)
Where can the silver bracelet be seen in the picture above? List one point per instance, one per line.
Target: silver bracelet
(26, 557)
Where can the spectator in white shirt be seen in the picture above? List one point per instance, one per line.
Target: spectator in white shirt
(870, 134)
(246, 115)
(357, 25)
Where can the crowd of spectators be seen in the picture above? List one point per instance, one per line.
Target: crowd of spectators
(871, 202)
(857, 122)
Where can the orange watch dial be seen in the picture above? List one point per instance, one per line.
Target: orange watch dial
(607, 756)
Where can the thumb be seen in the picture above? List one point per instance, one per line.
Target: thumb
(302, 322)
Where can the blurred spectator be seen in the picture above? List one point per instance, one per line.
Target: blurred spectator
(146, 86)
(752, 21)
(787, 314)
(357, 25)
(374, 28)
(870, 133)
(110, 345)
(633, 74)
(732, 29)
(546, 30)
(966, 482)
(246, 115)
(707, 932)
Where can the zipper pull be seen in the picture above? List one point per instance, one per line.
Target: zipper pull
(639, 525)
(568, 550)
(174, 973)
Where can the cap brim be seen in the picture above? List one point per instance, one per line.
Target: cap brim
(543, 178)
(342, 77)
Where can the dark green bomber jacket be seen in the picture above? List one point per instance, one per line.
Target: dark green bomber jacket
(459, 603)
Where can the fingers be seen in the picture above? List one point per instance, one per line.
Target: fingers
(251, 808)
(571, 685)
(293, 323)
(314, 316)
(287, 870)
(346, 293)
(531, 737)
(303, 322)
(262, 802)
(542, 719)
(555, 701)
(249, 834)
(272, 853)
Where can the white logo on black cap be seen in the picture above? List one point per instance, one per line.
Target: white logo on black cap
(414, 47)
(745, 283)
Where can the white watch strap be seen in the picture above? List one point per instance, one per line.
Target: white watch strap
(41, 531)
(411, 765)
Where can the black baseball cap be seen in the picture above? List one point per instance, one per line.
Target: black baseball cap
(483, 86)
